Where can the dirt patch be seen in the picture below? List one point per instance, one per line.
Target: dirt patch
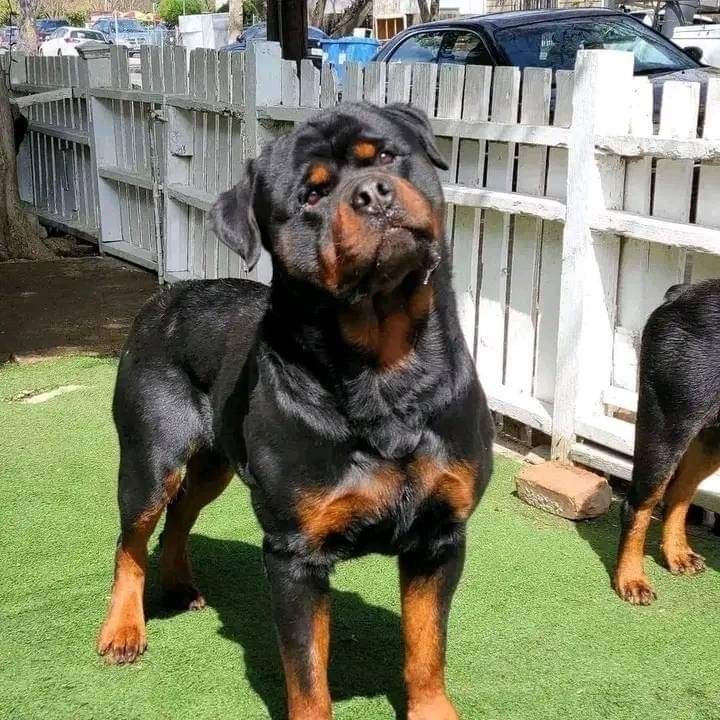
(69, 306)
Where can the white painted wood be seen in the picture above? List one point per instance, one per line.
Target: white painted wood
(375, 82)
(450, 91)
(523, 295)
(601, 104)
(673, 178)
(505, 202)
(424, 87)
(309, 84)
(708, 207)
(556, 186)
(353, 87)
(489, 353)
(328, 87)
(399, 81)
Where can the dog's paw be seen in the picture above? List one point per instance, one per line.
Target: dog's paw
(438, 708)
(183, 597)
(635, 590)
(684, 561)
(120, 644)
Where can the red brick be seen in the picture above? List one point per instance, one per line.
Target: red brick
(570, 492)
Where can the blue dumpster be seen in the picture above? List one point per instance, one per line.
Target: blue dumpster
(339, 51)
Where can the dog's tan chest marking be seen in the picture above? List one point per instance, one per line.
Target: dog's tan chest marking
(370, 497)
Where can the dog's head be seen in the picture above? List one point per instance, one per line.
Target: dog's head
(349, 201)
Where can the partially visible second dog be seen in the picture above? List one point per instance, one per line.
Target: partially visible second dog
(677, 435)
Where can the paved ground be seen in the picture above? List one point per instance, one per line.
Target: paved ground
(68, 306)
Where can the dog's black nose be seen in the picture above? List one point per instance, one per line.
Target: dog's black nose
(373, 196)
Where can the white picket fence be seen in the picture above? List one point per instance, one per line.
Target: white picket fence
(573, 202)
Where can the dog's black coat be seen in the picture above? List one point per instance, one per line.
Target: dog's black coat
(678, 407)
(284, 383)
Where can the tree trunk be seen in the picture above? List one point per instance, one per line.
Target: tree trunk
(235, 21)
(428, 12)
(21, 236)
(354, 14)
(318, 13)
(27, 41)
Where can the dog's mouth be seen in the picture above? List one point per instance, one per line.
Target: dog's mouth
(371, 252)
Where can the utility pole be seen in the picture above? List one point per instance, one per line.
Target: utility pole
(287, 23)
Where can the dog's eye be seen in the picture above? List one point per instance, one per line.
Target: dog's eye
(385, 157)
(313, 198)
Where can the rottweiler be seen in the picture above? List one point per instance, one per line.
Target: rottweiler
(677, 435)
(344, 395)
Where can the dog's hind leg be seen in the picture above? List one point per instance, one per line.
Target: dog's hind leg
(208, 474)
(142, 495)
(658, 450)
(700, 460)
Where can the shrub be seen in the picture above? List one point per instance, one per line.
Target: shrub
(77, 18)
(171, 10)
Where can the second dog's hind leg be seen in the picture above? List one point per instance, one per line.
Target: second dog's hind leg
(701, 459)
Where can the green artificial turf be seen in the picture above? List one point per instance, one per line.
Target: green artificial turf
(536, 632)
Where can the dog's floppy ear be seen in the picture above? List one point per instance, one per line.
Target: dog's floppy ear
(417, 122)
(234, 218)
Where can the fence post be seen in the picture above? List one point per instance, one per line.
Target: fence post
(589, 268)
(262, 87)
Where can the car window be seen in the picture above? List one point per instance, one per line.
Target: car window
(555, 44)
(464, 48)
(86, 35)
(421, 47)
(58, 33)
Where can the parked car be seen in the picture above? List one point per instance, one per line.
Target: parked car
(549, 39)
(8, 38)
(66, 40)
(47, 26)
(259, 32)
(127, 32)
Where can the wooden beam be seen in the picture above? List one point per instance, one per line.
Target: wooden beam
(43, 97)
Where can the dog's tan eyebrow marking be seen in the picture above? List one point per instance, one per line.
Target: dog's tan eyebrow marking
(364, 150)
(319, 174)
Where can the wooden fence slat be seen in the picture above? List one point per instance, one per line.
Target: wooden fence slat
(706, 266)
(375, 82)
(424, 87)
(309, 84)
(708, 207)
(526, 239)
(328, 87)
(180, 70)
(496, 235)
(551, 250)
(211, 164)
(399, 81)
(636, 263)
(145, 68)
(353, 86)
(289, 83)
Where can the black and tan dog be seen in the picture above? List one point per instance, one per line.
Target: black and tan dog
(344, 395)
(677, 435)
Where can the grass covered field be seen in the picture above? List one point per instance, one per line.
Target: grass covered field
(536, 633)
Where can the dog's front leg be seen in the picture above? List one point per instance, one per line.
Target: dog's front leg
(427, 586)
(301, 605)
